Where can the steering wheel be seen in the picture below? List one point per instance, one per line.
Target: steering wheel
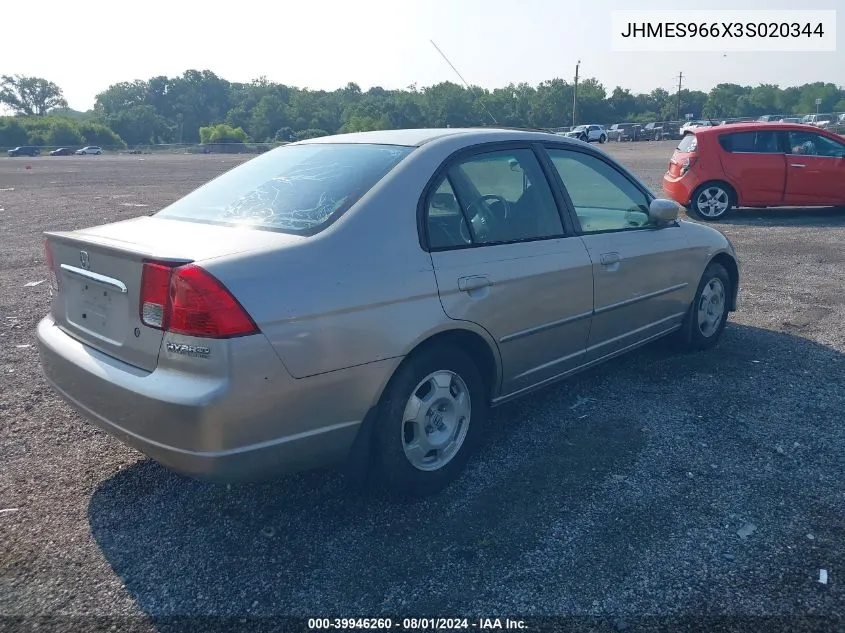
(486, 219)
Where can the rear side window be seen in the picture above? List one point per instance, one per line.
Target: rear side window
(296, 189)
(688, 144)
(762, 142)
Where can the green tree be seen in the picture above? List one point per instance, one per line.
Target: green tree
(12, 132)
(64, 132)
(222, 133)
(30, 96)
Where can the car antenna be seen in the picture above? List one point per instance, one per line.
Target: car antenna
(465, 81)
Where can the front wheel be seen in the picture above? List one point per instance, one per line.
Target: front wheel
(430, 421)
(602, 139)
(711, 201)
(707, 316)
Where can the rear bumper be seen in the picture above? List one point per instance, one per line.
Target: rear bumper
(679, 189)
(256, 422)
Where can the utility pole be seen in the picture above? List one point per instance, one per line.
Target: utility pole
(575, 95)
(680, 81)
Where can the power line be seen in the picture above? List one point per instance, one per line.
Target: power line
(480, 102)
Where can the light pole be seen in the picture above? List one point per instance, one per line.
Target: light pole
(575, 95)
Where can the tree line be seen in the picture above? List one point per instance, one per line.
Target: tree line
(199, 106)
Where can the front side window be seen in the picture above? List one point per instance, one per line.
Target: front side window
(493, 198)
(297, 189)
(812, 144)
(604, 198)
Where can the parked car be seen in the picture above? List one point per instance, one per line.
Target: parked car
(818, 120)
(62, 151)
(790, 120)
(624, 132)
(89, 149)
(588, 133)
(769, 118)
(371, 312)
(24, 150)
(653, 131)
(692, 125)
(756, 165)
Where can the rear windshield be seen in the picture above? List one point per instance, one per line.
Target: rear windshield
(297, 189)
(688, 143)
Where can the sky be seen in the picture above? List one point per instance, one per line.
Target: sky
(87, 45)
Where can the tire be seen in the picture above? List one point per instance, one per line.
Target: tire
(721, 196)
(602, 139)
(461, 409)
(708, 314)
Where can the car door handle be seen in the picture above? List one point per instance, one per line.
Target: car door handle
(608, 259)
(475, 282)
(797, 165)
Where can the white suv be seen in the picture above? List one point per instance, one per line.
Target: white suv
(90, 149)
(588, 133)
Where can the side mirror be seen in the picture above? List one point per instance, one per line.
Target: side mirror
(663, 211)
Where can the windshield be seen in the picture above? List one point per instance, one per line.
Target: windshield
(293, 189)
(579, 128)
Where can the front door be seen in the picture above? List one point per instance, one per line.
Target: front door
(815, 170)
(641, 272)
(503, 261)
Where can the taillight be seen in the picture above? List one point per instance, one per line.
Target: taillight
(189, 300)
(155, 294)
(687, 164)
(51, 267)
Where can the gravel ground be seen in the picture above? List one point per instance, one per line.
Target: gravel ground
(656, 485)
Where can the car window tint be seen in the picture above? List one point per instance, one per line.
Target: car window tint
(506, 197)
(296, 189)
(737, 142)
(447, 227)
(604, 199)
(811, 144)
(764, 141)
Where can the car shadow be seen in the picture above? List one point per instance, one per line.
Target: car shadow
(788, 216)
(595, 469)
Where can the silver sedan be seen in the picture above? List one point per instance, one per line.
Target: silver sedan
(366, 298)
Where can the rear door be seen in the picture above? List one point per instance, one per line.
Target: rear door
(642, 275)
(756, 161)
(815, 169)
(504, 260)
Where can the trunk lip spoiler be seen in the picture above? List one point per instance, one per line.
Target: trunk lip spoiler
(117, 246)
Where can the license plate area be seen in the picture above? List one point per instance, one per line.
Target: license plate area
(98, 309)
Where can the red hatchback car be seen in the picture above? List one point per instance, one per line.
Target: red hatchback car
(756, 165)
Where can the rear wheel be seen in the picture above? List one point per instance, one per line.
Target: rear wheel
(430, 421)
(706, 319)
(712, 201)
(602, 139)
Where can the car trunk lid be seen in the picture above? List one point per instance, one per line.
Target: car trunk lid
(97, 286)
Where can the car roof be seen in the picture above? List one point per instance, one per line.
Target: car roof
(750, 126)
(417, 137)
